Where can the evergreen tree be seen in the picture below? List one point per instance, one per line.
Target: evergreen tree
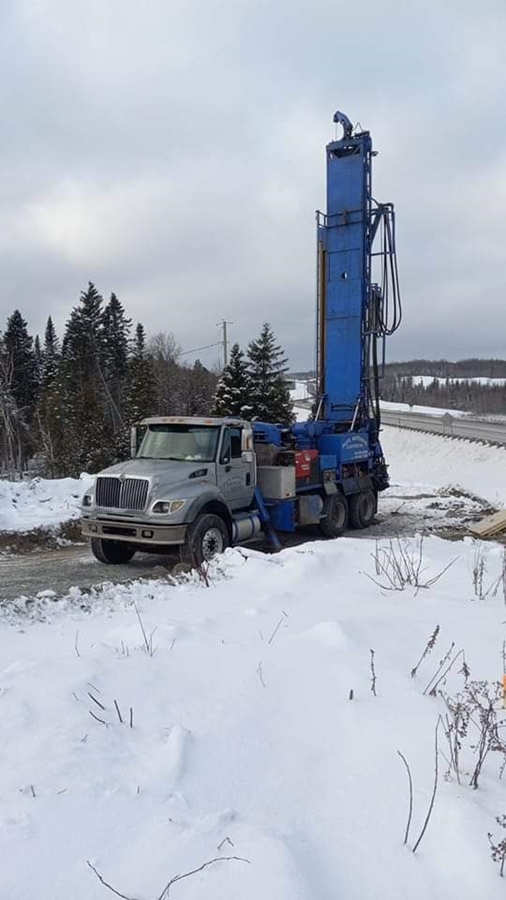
(232, 393)
(141, 397)
(84, 388)
(83, 344)
(18, 346)
(269, 392)
(115, 331)
(200, 386)
(50, 355)
(52, 428)
(37, 355)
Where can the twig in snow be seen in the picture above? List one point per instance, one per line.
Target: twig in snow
(428, 647)
(261, 677)
(165, 892)
(148, 641)
(278, 626)
(410, 813)
(33, 790)
(118, 711)
(436, 775)
(350, 695)
(443, 674)
(97, 718)
(102, 881)
(442, 663)
(225, 840)
(131, 718)
(373, 674)
(96, 701)
(76, 648)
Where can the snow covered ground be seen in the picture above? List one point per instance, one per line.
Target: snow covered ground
(390, 406)
(40, 502)
(255, 733)
(431, 459)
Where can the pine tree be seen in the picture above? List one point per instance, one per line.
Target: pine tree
(141, 399)
(200, 386)
(269, 392)
(84, 388)
(50, 355)
(115, 331)
(52, 428)
(18, 346)
(83, 343)
(232, 393)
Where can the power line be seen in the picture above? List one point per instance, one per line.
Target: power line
(196, 349)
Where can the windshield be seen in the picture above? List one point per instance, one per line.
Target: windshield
(181, 442)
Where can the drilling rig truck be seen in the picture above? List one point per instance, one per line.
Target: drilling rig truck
(206, 483)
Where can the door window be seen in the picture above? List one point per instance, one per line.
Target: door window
(231, 445)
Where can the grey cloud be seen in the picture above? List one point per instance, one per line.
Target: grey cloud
(174, 153)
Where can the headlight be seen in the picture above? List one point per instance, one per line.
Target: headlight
(87, 500)
(167, 507)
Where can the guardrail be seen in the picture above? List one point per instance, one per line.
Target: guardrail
(448, 425)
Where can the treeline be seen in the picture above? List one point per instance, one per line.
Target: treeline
(68, 404)
(452, 386)
(443, 368)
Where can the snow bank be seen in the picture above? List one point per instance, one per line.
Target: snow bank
(244, 740)
(40, 502)
(390, 406)
(419, 458)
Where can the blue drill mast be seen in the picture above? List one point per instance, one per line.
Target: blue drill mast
(358, 307)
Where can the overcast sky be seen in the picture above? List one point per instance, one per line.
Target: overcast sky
(172, 151)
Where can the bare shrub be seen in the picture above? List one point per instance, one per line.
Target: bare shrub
(399, 564)
(428, 648)
(498, 850)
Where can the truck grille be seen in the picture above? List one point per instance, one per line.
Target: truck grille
(118, 494)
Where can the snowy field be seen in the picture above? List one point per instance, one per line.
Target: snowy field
(153, 728)
(150, 729)
(430, 459)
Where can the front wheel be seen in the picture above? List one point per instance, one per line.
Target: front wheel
(206, 537)
(114, 553)
(334, 515)
(362, 509)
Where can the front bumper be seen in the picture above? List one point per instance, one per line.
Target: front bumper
(133, 532)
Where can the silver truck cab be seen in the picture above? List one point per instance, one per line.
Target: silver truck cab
(190, 483)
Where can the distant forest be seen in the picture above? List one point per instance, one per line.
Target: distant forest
(452, 387)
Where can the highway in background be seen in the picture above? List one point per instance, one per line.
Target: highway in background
(448, 425)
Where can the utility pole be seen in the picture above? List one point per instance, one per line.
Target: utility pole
(223, 324)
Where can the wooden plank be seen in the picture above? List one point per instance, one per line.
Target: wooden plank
(490, 525)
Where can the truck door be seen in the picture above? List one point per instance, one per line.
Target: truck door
(235, 476)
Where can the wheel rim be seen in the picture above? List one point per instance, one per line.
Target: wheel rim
(368, 508)
(338, 515)
(212, 543)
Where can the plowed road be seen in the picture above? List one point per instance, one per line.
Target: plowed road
(448, 425)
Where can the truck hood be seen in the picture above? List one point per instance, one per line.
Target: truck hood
(163, 473)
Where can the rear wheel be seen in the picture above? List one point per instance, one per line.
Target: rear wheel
(206, 537)
(111, 552)
(362, 509)
(334, 515)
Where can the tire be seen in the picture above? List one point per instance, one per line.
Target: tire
(362, 509)
(334, 519)
(206, 537)
(113, 553)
